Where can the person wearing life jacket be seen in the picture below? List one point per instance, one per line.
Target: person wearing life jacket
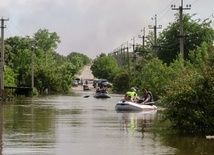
(130, 95)
(148, 97)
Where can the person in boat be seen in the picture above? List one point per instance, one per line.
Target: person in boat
(104, 90)
(130, 95)
(148, 97)
(98, 90)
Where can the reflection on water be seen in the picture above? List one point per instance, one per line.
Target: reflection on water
(62, 125)
(139, 121)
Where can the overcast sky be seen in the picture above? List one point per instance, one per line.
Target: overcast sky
(93, 27)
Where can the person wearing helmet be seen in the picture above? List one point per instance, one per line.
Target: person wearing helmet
(130, 95)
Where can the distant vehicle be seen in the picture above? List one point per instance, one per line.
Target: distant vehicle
(101, 83)
(78, 81)
(85, 87)
(75, 84)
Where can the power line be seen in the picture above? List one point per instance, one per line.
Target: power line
(194, 2)
(167, 8)
(16, 27)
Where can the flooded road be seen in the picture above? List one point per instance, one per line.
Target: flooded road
(72, 124)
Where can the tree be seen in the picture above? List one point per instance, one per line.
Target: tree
(44, 43)
(78, 59)
(154, 75)
(189, 99)
(121, 81)
(51, 70)
(195, 32)
(18, 58)
(103, 66)
(102, 55)
(10, 77)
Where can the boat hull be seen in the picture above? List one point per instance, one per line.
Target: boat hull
(131, 106)
(102, 95)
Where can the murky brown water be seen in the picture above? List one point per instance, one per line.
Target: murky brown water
(63, 125)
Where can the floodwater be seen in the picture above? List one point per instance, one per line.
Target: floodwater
(74, 125)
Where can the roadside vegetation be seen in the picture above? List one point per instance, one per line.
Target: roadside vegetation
(185, 85)
(52, 71)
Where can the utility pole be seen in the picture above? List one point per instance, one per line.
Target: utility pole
(134, 56)
(124, 55)
(33, 49)
(128, 56)
(2, 52)
(181, 36)
(118, 57)
(133, 45)
(32, 67)
(143, 39)
(155, 34)
(121, 53)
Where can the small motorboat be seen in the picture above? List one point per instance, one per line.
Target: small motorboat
(131, 106)
(102, 95)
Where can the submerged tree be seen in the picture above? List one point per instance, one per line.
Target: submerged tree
(189, 99)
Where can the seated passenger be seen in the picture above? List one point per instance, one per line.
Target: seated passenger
(130, 95)
(102, 90)
(148, 97)
(105, 88)
(98, 90)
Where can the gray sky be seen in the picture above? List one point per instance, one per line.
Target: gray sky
(92, 27)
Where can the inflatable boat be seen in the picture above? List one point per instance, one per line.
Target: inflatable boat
(131, 106)
(102, 95)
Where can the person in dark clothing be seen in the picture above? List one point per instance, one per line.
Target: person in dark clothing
(147, 97)
(98, 90)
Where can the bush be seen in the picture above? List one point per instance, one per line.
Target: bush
(189, 100)
(121, 82)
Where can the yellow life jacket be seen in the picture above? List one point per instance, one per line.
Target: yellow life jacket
(131, 94)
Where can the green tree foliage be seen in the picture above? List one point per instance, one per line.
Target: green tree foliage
(121, 81)
(18, 58)
(189, 99)
(46, 40)
(78, 59)
(103, 66)
(154, 76)
(44, 44)
(102, 55)
(51, 70)
(10, 76)
(195, 32)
